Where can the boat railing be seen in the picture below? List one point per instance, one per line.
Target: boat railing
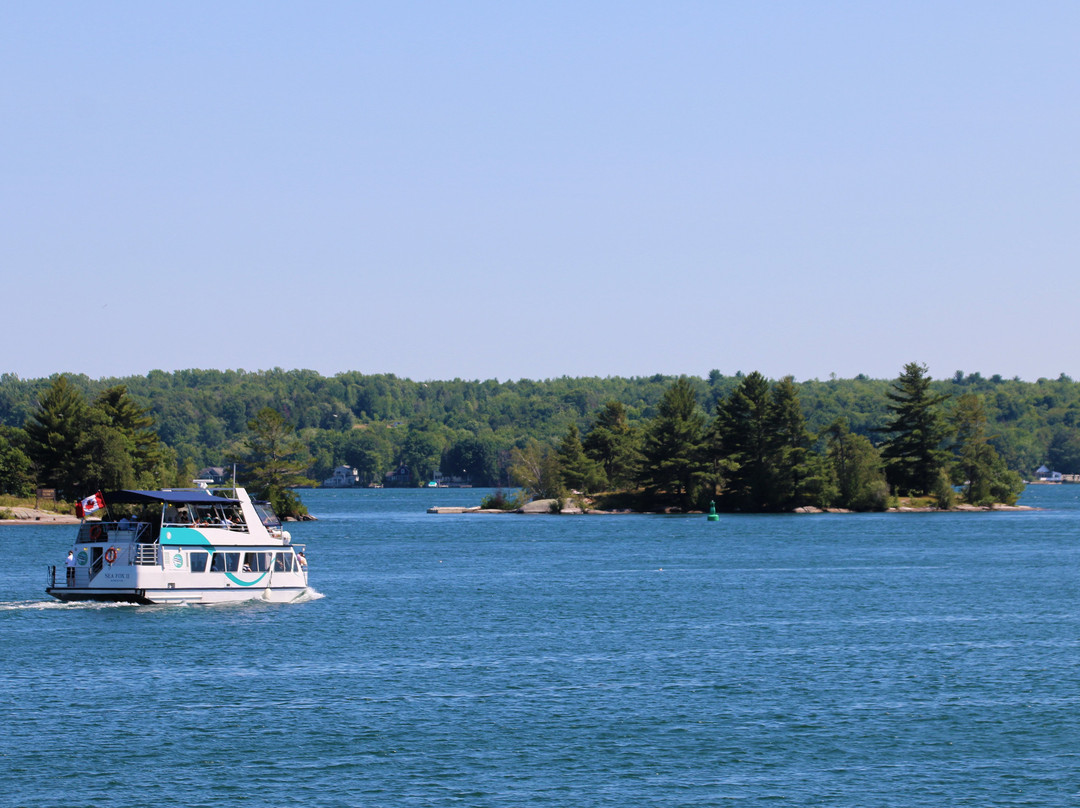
(147, 554)
(92, 532)
(236, 527)
(75, 577)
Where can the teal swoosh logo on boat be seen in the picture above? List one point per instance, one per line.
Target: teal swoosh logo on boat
(236, 580)
(185, 535)
(191, 536)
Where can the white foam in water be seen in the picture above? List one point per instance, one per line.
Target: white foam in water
(40, 605)
(12, 606)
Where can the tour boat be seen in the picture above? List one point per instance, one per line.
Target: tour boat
(193, 545)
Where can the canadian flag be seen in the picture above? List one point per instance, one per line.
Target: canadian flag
(92, 503)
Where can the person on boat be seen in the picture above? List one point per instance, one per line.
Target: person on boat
(303, 561)
(70, 567)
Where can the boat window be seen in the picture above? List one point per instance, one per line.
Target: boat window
(267, 515)
(198, 560)
(283, 562)
(208, 516)
(232, 562)
(177, 515)
(256, 562)
(217, 563)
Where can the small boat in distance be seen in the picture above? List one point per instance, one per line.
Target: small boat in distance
(192, 545)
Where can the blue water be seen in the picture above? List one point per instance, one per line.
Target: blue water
(476, 660)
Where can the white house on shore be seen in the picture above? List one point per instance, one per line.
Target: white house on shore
(1044, 475)
(343, 477)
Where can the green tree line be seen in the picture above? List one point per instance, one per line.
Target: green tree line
(481, 430)
(755, 452)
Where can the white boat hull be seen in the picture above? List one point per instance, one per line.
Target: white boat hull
(181, 596)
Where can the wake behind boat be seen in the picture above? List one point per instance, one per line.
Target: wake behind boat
(192, 545)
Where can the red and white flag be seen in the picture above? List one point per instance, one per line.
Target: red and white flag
(92, 503)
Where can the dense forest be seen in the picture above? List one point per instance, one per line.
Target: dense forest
(486, 432)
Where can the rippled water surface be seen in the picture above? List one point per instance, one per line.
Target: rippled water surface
(476, 660)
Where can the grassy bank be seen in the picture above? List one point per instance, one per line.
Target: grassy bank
(63, 508)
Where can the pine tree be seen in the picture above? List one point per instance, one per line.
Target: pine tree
(981, 471)
(791, 446)
(612, 443)
(743, 435)
(275, 461)
(578, 472)
(55, 439)
(760, 442)
(123, 449)
(914, 454)
(672, 454)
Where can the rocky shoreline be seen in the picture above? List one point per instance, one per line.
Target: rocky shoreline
(36, 516)
(547, 506)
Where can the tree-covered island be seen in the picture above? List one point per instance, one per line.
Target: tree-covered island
(756, 453)
(648, 443)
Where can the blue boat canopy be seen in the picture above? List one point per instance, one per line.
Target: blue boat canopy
(180, 496)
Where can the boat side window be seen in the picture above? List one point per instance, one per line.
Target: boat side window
(176, 516)
(232, 562)
(257, 562)
(217, 563)
(198, 560)
(282, 562)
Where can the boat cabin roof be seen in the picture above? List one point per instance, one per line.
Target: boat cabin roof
(180, 496)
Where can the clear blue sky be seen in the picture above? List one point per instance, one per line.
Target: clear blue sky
(508, 190)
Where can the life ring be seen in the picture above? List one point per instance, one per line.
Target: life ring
(110, 555)
(97, 532)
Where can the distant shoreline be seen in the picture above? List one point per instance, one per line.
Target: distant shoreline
(544, 506)
(36, 516)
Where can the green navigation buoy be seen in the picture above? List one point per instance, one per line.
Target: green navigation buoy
(713, 515)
